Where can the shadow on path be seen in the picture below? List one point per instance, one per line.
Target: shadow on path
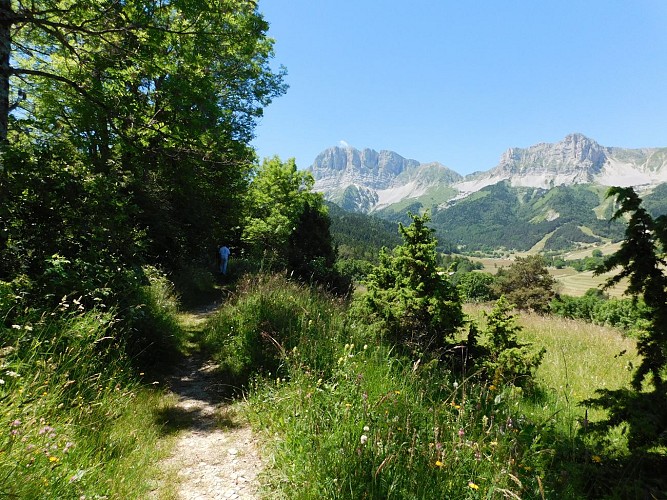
(203, 399)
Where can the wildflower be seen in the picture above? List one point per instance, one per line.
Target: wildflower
(16, 423)
(347, 405)
(472, 485)
(456, 385)
(461, 432)
(438, 463)
(363, 439)
(492, 387)
(13, 374)
(2, 382)
(53, 459)
(397, 392)
(46, 429)
(597, 459)
(366, 428)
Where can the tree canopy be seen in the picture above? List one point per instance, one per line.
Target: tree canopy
(141, 111)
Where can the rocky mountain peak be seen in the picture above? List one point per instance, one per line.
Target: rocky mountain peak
(575, 155)
(353, 166)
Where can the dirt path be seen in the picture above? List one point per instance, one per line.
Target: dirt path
(216, 455)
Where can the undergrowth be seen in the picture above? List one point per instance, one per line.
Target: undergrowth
(76, 421)
(346, 415)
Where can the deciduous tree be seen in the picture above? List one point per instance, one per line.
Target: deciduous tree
(526, 283)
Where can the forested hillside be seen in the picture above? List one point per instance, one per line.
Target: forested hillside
(500, 216)
(359, 236)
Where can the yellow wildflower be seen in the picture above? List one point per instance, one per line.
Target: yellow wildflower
(438, 463)
(597, 459)
(472, 485)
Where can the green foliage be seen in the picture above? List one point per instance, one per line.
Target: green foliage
(345, 416)
(476, 287)
(641, 262)
(161, 105)
(410, 295)
(596, 307)
(271, 319)
(74, 419)
(501, 216)
(380, 427)
(526, 283)
(276, 198)
(359, 236)
(564, 237)
(288, 226)
(65, 228)
(503, 358)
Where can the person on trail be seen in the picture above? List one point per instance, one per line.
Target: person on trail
(224, 257)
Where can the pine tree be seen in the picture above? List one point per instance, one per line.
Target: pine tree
(644, 408)
(414, 298)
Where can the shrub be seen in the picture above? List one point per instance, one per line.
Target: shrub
(410, 296)
(526, 283)
(503, 359)
(476, 287)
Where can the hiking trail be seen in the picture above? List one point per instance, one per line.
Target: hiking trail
(216, 455)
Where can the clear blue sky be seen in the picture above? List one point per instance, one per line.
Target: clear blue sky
(459, 82)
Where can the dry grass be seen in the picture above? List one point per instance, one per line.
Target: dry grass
(580, 358)
(575, 284)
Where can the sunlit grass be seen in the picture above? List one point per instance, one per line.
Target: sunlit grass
(76, 421)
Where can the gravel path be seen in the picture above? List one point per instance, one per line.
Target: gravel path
(216, 455)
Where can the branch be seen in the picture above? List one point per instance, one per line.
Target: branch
(44, 74)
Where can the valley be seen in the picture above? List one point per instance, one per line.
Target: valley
(548, 197)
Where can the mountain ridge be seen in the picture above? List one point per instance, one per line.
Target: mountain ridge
(367, 180)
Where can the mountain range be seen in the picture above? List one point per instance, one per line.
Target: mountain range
(549, 193)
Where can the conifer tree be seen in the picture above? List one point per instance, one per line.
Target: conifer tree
(413, 297)
(644, 408)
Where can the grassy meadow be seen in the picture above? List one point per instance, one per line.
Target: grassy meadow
(345, 415)
(570, 281)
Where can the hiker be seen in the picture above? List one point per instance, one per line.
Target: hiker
(223, 252)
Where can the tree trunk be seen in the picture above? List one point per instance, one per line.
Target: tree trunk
(5, 52)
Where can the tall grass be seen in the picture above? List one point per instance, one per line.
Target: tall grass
(75, 420)
(270, 318)
(346, 417)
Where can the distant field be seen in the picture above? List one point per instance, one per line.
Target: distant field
(576, 284)
(570, 281)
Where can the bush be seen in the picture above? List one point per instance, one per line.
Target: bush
(596, 307)
(271, 319)
(526, 283)
(476, 287)
(501, 357)
(410, 296)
